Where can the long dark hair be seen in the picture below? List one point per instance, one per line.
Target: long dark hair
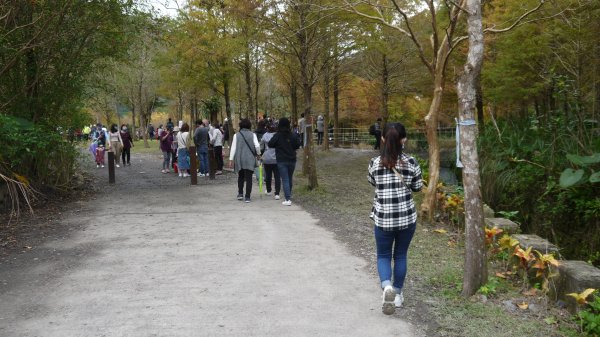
(392, 146)
(284, 125)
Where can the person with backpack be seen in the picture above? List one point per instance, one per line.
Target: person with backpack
(320, 129)
(244, 154)
(270, 161)
(395, 175)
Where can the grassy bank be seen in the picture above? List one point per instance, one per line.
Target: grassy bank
(433, 301)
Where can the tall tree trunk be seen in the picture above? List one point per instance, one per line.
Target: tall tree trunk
(385, 89)
(256, 87)
(133, 127)
(309, 155)
(228, 108)
(180, 105)
(428, 206)
(248, 78)
(475, 256)
(326, 110)
(117, 112)
(143, 122)
(480, 116)
(336, 98)
(294, 99)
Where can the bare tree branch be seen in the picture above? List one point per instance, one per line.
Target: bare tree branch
(517, 21)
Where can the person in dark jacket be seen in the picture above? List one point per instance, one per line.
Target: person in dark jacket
(127, 145)
(285, 143)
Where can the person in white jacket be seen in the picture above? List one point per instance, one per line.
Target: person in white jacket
(216, 140)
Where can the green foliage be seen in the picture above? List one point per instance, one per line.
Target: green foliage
(590, 318)
(489, 289)
(41, 154)
(570, 177)
(521, 169)
(47, 51)
(212, 106)
(511, 215)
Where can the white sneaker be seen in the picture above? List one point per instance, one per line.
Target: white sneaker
(287, 203)
(277, 197)
(398, 300)
(388, 296)
(180, 175)
(201, 174)
(102, 165)
(97, 166)
(118, 165)
(268, 193)
(185, 175)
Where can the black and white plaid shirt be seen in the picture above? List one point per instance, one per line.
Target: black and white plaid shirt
(393, 205)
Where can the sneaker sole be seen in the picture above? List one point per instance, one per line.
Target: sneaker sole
(388, 306)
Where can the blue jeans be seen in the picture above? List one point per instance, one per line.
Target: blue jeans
(183, 160)
(286, 172)
(166, 160)
(385, 241)
(203, 158)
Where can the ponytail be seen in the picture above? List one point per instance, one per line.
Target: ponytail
(391, 150)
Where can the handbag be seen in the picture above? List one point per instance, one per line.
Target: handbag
(251, 150)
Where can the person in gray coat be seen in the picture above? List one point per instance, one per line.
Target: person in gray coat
(245, 150)
(270, 161)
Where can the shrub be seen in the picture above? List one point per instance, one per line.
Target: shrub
(36, 152)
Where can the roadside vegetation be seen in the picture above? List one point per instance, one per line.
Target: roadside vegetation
(433, 292)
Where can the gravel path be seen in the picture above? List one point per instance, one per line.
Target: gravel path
(154, 256)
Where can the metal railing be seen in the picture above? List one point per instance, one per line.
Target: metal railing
(347, 137)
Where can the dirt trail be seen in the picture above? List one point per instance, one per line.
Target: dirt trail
(154, 256)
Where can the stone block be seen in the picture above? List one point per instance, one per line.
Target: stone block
(488, 212)
(536, 243)
(574, 277)
(504, 224)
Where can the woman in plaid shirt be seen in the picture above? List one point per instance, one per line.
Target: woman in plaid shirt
(395, 176)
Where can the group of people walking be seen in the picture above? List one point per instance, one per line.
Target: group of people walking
(116, 140)
(275, 145)
(394, 174)
(175, 144)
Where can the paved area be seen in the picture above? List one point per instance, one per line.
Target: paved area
(169, 259)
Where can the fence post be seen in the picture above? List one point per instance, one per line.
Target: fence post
(193, 166)
(111, 167)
